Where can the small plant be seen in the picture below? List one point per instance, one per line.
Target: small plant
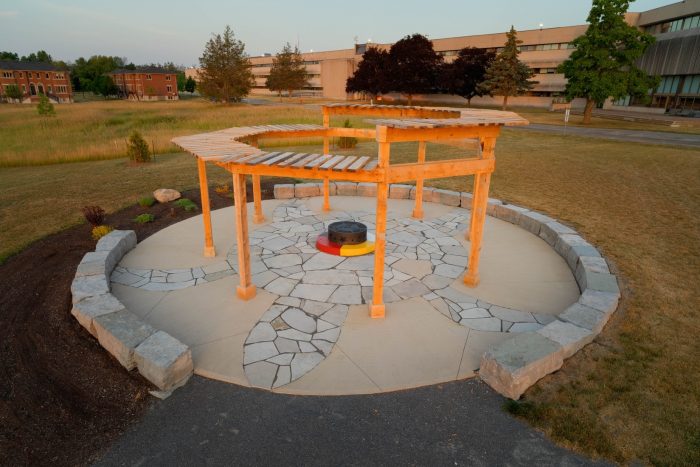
(45, 107)
(222, 189)
(347, 142)
(95, 215)
(147, 201)
(144, 218)
(186, 204)
(100, 231)
(137, 148)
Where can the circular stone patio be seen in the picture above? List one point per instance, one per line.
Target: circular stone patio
(308, 329)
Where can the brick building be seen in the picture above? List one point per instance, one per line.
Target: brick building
(146, 84)
(35, 78)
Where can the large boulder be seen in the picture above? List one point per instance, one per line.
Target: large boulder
(165, 195)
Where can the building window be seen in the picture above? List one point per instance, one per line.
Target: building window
(7, 74)
(668, 85)
(37, 75)
(24, 89)
(169, 88)
(691, 85)
(50, 90)
(149, 77)
(167, 77)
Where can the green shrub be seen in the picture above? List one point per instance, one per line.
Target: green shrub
(100, 231)
(45, 107)
(144, 218)
(137, 148)
(186, 204)
(347, 142)
(95, 215)
(147, 201)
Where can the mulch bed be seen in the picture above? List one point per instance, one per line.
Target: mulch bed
(63, 399)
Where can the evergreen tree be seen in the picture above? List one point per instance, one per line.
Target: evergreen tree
(225, 73)
(288, 72)
(372, 75)
(507, 75)
(45, 107)
(464, 76)
(190, 85)
(603, 64)
(413, 66)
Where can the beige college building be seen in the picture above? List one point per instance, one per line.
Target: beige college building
(675, 57)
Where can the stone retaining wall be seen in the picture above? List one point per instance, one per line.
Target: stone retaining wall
(514, 365)
(159, 357)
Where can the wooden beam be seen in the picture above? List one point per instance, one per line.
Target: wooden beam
(391, 111)
(439, 169)
(373, 175)
(418, 209)
(392, 135)
(258, 217)
(481, 198)
(246, 289)
(326, 195)
(377, 308)
(209, 250)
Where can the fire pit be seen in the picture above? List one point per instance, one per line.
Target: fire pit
(346, 238)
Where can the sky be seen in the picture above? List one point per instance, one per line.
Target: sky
(157, 31)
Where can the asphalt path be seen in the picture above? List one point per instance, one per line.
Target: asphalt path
(213, 423)
(632, 136)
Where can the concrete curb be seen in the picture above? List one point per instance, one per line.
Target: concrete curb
(130, 340)
(511, 367)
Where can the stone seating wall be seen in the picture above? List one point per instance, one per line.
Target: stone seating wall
(159, 357)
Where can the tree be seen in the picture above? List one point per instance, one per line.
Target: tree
(104, 86)
(40, 56)
(463, 76)
(181, 81)
(371, 75)
(413, 66)
(190, 85)
(13, 92)
(45, 107)
(507, 75)
(225, 73)
(603, 63)
(5, 55)
(288, 72)
(86, 74)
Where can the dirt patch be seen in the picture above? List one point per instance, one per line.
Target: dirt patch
(63, 399)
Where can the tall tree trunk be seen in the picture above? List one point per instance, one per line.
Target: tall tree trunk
(505, 103)
(588, 111)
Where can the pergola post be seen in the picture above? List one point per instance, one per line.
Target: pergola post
(326, 150)
(258, 217)
(418, 209)
(482, 181)
(246, 290)
(377, 308)
(209, 250)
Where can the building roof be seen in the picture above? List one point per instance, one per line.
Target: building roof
(144, 69)
(22, 66)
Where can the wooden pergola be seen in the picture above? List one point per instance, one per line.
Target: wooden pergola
(236, 150)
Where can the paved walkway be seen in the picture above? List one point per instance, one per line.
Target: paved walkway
(633, 136)
(308, 331)
(212, 423)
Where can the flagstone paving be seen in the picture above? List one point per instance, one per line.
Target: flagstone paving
(314, 290)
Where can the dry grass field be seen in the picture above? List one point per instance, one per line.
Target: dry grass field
(632, 395)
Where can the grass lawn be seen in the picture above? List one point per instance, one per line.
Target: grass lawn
(634, 394)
